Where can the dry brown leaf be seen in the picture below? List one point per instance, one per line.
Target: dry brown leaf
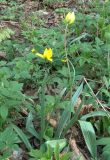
(77, 103)
(2, 55)
(52, 121)
(76, 151)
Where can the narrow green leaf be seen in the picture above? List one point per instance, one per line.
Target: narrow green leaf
(103, 141)
(72, 120)
(76, 95)
(90, 137)
(62, 122)
(49, 153)
(106, 155)
(66, 156)
(57, 152)
(67, 112)
(106, 148)
(94, 114)
(42, 104)
(22, 136)
(30, 127)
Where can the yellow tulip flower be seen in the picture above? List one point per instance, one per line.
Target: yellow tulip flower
(47, 54)
(70, 18)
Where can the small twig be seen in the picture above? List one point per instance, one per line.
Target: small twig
(98, 101)
(100, 82)
(75, 149)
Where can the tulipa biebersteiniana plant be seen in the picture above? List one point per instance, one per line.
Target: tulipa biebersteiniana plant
(44, 84)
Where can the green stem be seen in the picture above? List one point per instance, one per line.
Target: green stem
(42, 103)
(73, 70)
(66, 53)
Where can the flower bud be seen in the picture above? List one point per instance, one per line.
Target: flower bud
(70, 18)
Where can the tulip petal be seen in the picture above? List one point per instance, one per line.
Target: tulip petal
(40, 55)
(33, 50)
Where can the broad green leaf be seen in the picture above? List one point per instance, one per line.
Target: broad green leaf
(53, 143)
(50, 99)
(36, 153)
(5, 33)
(90, 137)
(3, 112)
(8, 140)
